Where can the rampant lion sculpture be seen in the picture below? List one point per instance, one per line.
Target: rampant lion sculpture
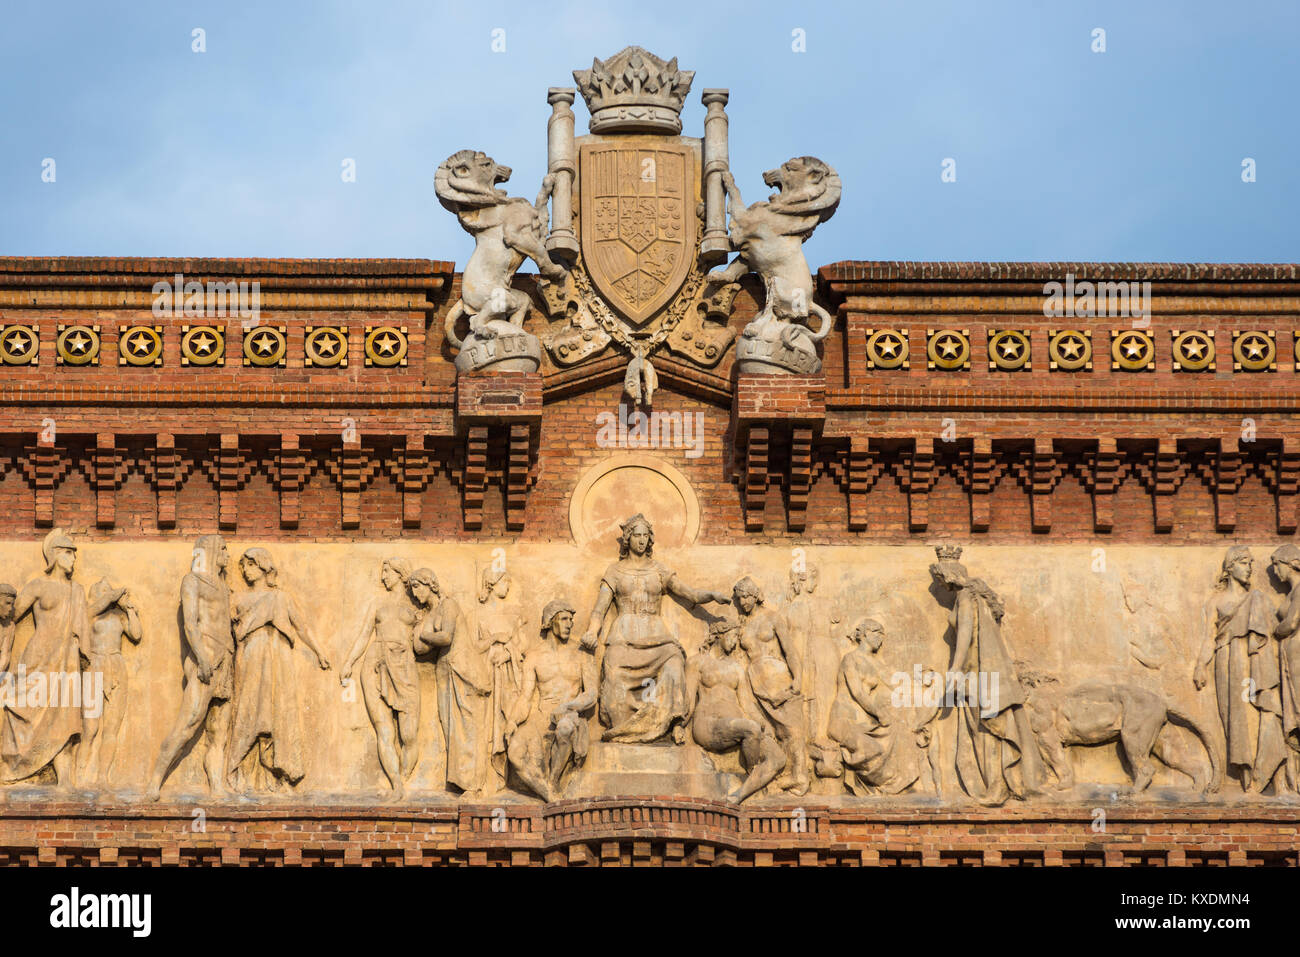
(769, 237)
(506, 230)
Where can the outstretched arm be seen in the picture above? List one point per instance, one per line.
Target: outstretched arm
(133, 630)
(693, 595)
(362, 641)
(588, 696)
(603, 601)
(304, 633)
(1200, 674)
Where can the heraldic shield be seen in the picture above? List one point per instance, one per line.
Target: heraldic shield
(638, 221)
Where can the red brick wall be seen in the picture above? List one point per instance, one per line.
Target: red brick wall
(877, 416)
(664, 831)
(142, 453)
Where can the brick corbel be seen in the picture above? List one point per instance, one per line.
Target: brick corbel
(769, 412)
(917, 475)
(413, 479)
(229, 469)
(519, 473)
(44, 466)
(1170, 470)
(356, 468)
(984, 469)
(501, 408)
(1228, 474)
(1040, 472)
(290, 478)
(474, 485)
(1103, 471)
(863, 469)
(1283, 476)
(754, 493)
(800, 479)
(1163, 471)
(166, 477)
(107, 473)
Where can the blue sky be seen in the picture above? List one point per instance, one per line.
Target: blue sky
(1061, 153)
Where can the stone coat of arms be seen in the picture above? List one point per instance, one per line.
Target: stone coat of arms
(638, 215)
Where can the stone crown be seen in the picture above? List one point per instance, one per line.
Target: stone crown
(634, 91)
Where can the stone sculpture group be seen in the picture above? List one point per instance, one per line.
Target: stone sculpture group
(520, 711)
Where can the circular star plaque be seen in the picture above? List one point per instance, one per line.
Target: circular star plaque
(1133, 351)
(77, 345)
(327, 346)
(1009, 349)
(265, 346)
(385, 346)
(204, 346)
(887, 349)
(1193, 351)
(139, 345)
(19, 345)
(1070, 349)
(1254, 351)
(949, 349)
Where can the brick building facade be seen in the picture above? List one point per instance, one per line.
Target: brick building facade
(1140, 444)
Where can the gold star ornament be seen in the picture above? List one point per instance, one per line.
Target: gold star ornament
(1069, 349)
(1193, 351)
(386, 345)
(947, 349)
(326, 346)
(139, 346)
(1133, 350)
(203, 345)
(266, 346)
(77, 346)
(19, 345)
(1008, 350)
(887, 349)
(1254, 352)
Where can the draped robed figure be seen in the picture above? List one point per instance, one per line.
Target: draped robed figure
(42, 729)
(997, 754)
(643, 675)
(266, 709)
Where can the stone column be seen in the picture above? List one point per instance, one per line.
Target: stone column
(716, 244)
(561, 162)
